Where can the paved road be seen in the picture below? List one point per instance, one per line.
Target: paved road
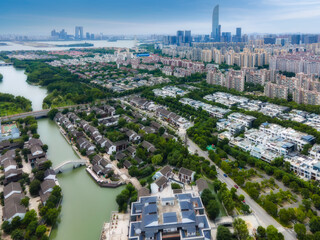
(264, 218)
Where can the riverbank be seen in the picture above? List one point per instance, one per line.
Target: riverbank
(102, 182)
(14, 82)
(85, 205)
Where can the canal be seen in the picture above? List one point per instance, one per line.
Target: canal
(85, 206)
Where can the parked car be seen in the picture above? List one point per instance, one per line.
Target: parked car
(225, 175)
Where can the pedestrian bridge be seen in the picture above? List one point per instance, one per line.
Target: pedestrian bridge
(68, 164)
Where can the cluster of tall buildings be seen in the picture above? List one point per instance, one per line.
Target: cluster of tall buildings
(304, 88)
(226, 37)
(217, 35)
(293, 39)
(305, 62)
(183, 38)
(78, 35)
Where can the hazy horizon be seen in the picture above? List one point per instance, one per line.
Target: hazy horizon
(143, 17)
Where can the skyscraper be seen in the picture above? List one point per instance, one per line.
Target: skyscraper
(238, 35)
(295, 39)
(180, 37)
(215, 23)
(78, 33)
(187, 37)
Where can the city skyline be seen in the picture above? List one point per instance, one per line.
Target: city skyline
(124, 17)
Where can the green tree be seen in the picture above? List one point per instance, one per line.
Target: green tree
(6, 227)
(314, 224)
(300, 230)
(213, 209)
(223, 233)
(17, 235)
(316, 236)
(25, 201)
(45, 147)
(16, 222)
(157, 159)
(41, 230)
(306, 148)
(284, 216)
(121, 122)
(271, 208)
(240, 229)
(52, 216)
(161, 131)
(316, 201)
(272, 233)
(206, 196)
(261, 232)
(52, 113)
(175, 186)
(245, 208)
(286, 180)
(29, 217)
(34, 187)
(31, 228)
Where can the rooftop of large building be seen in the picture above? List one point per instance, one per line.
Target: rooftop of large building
(181, 215)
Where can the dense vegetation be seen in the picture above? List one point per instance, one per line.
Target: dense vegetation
(251, 87)
(64, 87)
(10, 104)
(128, 195)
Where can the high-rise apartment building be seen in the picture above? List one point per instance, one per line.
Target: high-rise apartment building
(303, 96)
(235, 80)
(273, 90)
(231, 80)
(206, 55)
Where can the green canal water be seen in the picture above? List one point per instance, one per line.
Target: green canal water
(85, 205)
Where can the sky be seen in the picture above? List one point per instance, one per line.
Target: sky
(39, 17)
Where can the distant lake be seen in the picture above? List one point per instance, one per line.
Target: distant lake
(49, 45)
